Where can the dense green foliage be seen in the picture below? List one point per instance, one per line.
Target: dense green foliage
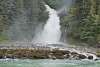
(7, 12)
(53, 3)
(83, 22)
(57, 4)
(23, 14)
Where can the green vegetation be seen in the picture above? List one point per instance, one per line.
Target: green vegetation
(5, 17)
(83, 22)
(53, 3)
(3, 38)
(24, 14)
(81, 25)
(28, 13)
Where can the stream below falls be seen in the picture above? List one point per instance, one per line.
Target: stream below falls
(48, 63)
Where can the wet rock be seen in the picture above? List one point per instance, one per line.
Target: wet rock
(90, 57)
(82, 56)
(97, 59)
(98, 54)
(66, 56)
(1, 57)
(74, 53)
(10, 56)
(66, 52)
(54, 58)
(41, 54)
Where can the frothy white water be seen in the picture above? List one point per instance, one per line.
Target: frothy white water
(85, 54)
(51, 32)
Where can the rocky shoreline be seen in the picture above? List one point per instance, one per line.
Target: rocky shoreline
(43, 53)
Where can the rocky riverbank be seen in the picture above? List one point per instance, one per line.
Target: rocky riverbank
(37, 53)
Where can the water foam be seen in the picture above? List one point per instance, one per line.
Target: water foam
(51, 32)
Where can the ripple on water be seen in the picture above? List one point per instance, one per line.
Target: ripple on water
(48, 63)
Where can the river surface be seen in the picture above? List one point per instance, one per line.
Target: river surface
(49, 63)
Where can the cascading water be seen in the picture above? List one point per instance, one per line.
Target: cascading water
(51, 32)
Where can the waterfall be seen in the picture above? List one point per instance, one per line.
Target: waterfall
(51, 32)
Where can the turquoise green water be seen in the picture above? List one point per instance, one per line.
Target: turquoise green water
(49, 63)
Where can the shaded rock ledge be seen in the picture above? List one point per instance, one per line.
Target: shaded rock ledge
(37, 53)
